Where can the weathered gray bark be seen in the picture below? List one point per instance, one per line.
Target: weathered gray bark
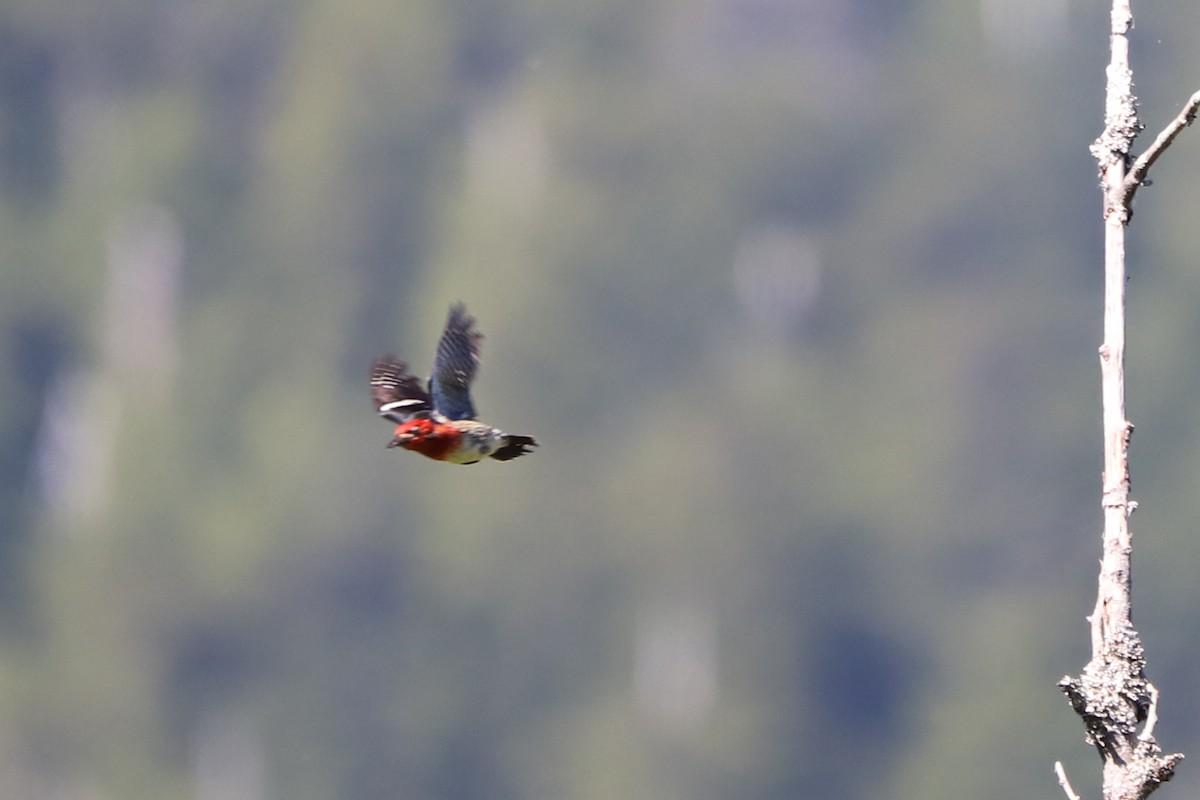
(1118, 705)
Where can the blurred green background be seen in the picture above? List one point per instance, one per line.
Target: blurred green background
(801, 298)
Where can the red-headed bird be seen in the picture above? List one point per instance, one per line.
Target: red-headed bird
(439, 422)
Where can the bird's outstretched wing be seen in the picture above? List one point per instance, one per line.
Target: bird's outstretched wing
(455, 366)
(398, 396)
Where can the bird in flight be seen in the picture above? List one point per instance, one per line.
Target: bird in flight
(438, 419)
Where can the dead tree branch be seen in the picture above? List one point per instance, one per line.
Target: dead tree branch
(1061, 772)
(1137, 173)
(1112, 695)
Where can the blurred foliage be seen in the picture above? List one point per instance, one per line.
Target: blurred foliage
(801, 299)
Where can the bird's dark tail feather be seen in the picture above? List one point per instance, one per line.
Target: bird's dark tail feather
(514, 446)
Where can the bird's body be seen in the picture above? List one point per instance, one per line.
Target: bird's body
(460, 441)
(439, 422)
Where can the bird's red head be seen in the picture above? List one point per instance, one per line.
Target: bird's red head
(426, 437)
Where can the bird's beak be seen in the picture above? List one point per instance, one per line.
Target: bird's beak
(400, 439)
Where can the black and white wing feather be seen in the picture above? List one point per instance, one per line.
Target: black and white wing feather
(455, 366)
(398, 396)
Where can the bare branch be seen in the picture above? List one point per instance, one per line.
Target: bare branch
(1147, 734)
(1063, 782)
(1112, 695)
(1137, 173)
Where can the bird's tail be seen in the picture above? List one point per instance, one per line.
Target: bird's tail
(514, 446)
